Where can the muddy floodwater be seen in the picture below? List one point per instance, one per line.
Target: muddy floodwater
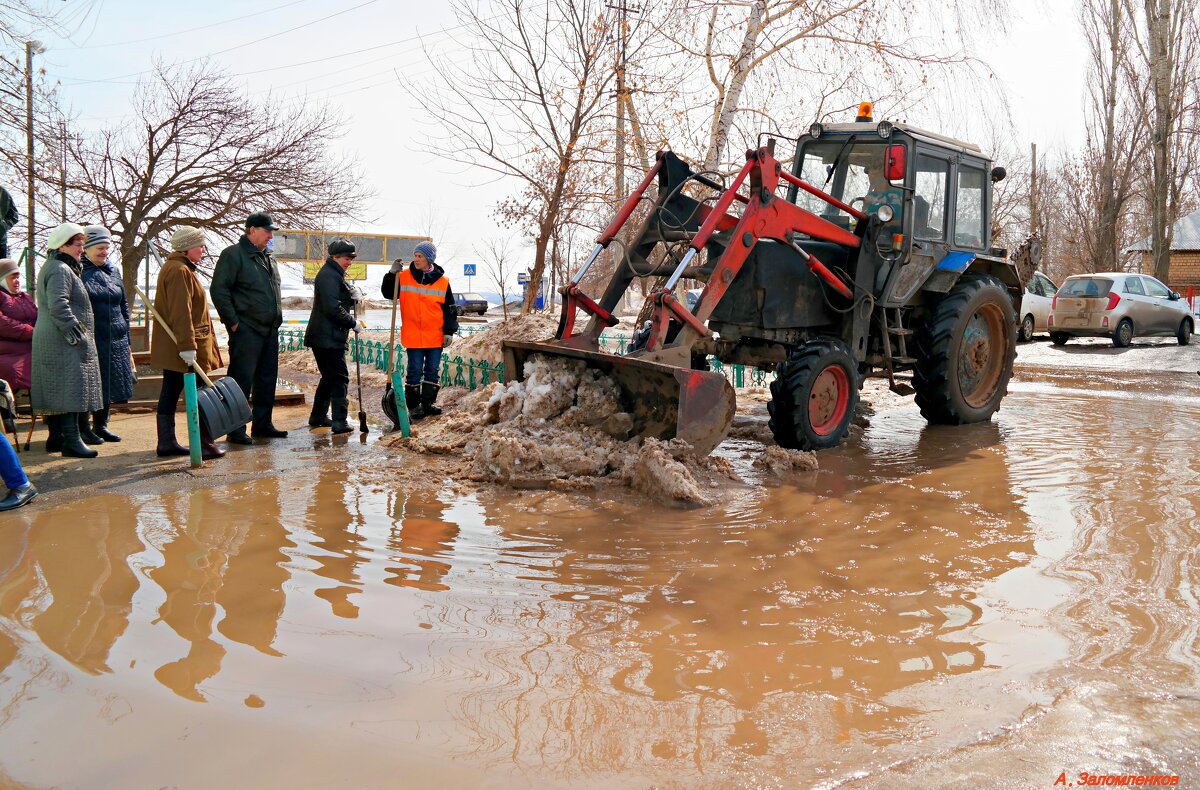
(986, 606)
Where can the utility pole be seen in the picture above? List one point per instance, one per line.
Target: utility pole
(622, 8)
(31, 48)
(1033, 218)
(62, 167)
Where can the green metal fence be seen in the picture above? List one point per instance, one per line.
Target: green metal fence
(458, 371)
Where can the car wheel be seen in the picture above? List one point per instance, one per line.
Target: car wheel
(1026, 329)
(1184, 335)
(965, 351)
(1124, 334)
(1059, 338)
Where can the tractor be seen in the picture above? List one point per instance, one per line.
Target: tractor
(869, 255)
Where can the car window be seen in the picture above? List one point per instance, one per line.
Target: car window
(473, 297)
(968, 212)
(929, 202)
(1155, 288)
(1085, 286)
(1048, 286)
(1035, 287)
(1133, 285)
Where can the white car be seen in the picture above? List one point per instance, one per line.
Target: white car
(1035, 305)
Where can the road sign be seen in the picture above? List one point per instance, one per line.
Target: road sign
(468, 270)
(522, 278)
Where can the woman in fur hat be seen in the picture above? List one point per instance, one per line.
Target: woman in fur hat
(18, 314)
(111, 309)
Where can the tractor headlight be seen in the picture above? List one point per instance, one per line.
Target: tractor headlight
(885, 213)
(884, 129)
(816, 130)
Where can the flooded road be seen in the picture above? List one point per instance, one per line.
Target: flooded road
(935, 607)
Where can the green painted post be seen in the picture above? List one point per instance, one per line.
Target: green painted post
(193, 418)
(401, 404)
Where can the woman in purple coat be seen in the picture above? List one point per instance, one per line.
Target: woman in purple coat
(18, 312)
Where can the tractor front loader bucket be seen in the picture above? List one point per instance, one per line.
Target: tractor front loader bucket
(666, 401)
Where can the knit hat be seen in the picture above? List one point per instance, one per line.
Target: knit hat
(186, 237)
(62, 234)
(427, 249)
(96, 234)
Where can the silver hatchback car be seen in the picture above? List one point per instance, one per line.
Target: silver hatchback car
(1118, 305)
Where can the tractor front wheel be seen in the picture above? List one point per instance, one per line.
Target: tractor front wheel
(813, 396)
(965, 352)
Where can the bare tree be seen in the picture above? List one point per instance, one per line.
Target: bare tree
(1168, 46)
(524, 105)
(202, 153)
(499, 265)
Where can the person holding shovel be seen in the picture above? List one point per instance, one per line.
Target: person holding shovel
(327, 334)
(428, 321)
(180, 304)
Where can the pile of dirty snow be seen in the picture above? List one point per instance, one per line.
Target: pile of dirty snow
(485, 345)
(564, 427)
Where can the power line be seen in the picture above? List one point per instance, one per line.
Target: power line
(117, 79)
(190, 29)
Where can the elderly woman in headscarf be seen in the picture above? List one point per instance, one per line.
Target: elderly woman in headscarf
(66, 372)
(111, 310)
(18, 314)
(181, 307)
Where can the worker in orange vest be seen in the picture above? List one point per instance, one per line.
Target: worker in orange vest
(428, 321)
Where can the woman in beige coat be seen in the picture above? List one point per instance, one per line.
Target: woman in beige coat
(180, 303)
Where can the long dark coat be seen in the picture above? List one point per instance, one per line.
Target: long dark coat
(66, 376)
(330, 323)
(111, 311)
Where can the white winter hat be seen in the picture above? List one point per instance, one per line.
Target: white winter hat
(62, 234)
(186, 237)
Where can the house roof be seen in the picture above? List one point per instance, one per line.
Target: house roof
(1186, 235)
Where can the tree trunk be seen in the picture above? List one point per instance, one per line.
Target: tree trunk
(1162, 68)
(739, 71)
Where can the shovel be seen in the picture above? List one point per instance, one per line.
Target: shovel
(394, 405)
(222, 406)
(362, 414)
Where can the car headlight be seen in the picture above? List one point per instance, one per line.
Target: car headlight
(816, 130)
(885, 213)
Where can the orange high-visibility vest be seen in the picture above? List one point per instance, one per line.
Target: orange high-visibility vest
(421, 314)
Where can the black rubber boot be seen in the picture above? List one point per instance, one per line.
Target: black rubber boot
(319, 416)
(100, 426)
(53, 432)
(208, 446)
(85, 430)
(72, 445)
(341, 410)
(168, 447)
(429, 393)
(412, 397)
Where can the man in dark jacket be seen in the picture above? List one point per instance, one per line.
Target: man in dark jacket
(328, 330)
(245, 291)
(8, 218)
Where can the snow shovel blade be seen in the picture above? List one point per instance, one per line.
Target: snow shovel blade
(666, 402)
(223, 407)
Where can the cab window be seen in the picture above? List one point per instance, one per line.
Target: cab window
(930, 199)
(968, 208)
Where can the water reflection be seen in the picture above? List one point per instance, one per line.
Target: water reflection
(227, 556)
(338, 538)
(813, 596)
(421, 540)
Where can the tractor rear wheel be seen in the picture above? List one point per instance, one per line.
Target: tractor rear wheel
(965, 351)
(813, 396)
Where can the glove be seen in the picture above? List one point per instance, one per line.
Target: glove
(188, 357)
(356, 295)
(447, 340)
(359, 326)
(74, 334)
(397, 265)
